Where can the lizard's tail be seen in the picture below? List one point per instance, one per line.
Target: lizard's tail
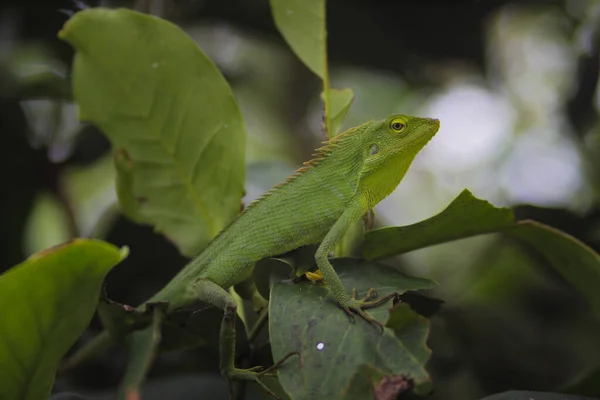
(96, 345)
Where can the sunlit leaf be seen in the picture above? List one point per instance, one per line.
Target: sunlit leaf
(47, 302)
(168, 109)
(302, 24)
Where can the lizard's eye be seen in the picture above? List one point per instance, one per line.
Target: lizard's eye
(398, 125)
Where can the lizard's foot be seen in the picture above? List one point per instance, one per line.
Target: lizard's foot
(314, 277)
(352, 304)
(254, 374)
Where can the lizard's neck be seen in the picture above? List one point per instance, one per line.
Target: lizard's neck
(381, 183)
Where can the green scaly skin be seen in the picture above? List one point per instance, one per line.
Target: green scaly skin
(346, 178)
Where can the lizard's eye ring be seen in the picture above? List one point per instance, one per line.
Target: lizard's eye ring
(398, 125)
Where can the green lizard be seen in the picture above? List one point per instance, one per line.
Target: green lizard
(347, 177)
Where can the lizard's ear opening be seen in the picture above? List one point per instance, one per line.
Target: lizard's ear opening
(374, 149)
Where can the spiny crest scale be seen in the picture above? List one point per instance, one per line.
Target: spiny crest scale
(319, 155)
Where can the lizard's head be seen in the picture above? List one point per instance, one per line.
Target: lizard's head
(390, 146)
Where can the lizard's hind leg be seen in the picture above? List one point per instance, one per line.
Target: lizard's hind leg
(211, 293)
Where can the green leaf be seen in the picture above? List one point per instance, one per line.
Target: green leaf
(469, 216)
(157, 97)
(341, 100)
(47, 224)
(302, 24)
(575, 261)
(411, 329)
(527, 395)
(466, 216)
(47, 302)
(124, 184)
(143, 346)
(304, 318)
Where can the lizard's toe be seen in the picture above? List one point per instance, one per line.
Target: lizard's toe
(353, 306)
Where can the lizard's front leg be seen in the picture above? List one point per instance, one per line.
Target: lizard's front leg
(348, 303)
(211, 293)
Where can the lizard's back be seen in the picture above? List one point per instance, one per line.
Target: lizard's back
(296, 213)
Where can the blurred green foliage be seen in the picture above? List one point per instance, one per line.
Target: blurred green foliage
(515, 85)
(48, 301)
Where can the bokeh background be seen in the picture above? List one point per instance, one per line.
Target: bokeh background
(515, 84)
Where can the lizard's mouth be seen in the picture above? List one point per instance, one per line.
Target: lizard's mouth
(427, 131)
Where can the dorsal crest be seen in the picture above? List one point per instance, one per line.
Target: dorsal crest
(318, 156)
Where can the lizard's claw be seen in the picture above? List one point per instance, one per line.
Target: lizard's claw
(254, 374)
(371, 294)
(352, 305)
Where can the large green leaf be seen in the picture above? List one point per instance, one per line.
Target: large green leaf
(171, 114)
(466, 216)
(411, 331)
(333, 347)
(302, 24)
(47, 302)
(575, 261)
(469, 216)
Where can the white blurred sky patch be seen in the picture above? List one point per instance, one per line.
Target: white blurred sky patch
(503, 136)
(544, 168)
(530, 57)
(475, 127)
